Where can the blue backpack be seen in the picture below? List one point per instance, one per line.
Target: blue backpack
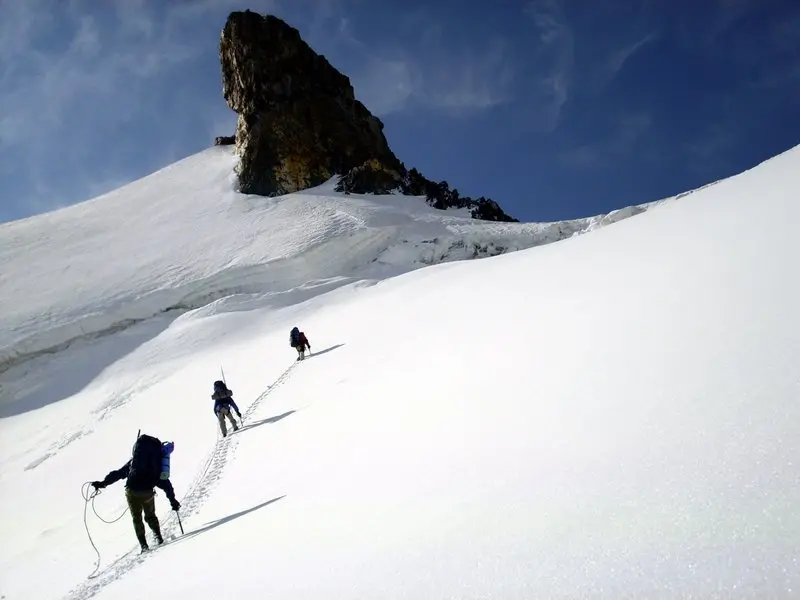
(166, 450)
(294, 337)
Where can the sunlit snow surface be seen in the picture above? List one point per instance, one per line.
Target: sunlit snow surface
(616, 415)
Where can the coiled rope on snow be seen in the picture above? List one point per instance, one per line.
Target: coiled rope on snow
(89, 498)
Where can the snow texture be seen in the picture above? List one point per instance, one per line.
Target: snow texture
(182, 238)
(612, 416)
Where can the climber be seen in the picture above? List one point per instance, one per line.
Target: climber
(147, 469)
(223, 402)
(299, 341)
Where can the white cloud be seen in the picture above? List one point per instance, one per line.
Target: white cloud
(617, 59)
(385, 86)
(74, 72)
(428, 73)
(100, 71)
(477, 82)
(553, 62)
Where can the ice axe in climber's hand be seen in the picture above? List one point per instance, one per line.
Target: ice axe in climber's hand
(176, 506)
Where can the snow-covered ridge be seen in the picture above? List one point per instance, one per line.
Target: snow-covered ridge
(182, 237)
(620, 423)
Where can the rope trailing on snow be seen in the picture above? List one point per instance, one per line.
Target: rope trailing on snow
(89, 498)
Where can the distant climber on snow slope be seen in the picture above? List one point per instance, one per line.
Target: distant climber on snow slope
(147, 469)
(299, 341)
(223, 402)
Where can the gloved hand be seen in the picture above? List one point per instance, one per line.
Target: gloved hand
(175, 504)
(239, 415)
(98, 485)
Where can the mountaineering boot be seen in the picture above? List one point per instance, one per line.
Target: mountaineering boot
(142, 540)
(159, 538)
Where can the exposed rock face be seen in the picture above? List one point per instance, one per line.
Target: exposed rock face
(374, 178)
(370, 178)
(225, 140)
(300, 124)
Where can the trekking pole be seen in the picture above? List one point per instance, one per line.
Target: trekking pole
(177, 514)
(223, 375)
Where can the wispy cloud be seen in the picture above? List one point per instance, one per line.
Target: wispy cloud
(480, 78)
(456, 80)
(75, 72)
(386, 85)
(554, 59)
(102, 61)
(615, 62)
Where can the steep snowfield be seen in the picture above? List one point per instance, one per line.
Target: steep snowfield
(182, 237)
(612, 416)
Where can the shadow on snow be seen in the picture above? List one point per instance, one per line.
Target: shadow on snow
(325, 351)
(211, 525)
(54, 376)
(260, 422)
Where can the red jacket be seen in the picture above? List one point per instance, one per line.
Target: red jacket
(304, 341)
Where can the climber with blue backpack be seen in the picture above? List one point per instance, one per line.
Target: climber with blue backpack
(147, 469)
(299, 341)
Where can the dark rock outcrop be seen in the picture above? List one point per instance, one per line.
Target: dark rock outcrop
(373, 178)
(225, 140)
(299, 122)
(439, 195)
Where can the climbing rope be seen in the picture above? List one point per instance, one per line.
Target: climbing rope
(89, 498)
(89, 494)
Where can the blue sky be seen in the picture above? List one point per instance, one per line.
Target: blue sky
(554, 108)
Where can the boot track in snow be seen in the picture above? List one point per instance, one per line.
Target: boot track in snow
(199, 491)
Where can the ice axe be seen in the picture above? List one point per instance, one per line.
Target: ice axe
(221, 372)
(178, 514)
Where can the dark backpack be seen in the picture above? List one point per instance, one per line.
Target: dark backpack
(221, 391)
(145, 468)
(294, 337)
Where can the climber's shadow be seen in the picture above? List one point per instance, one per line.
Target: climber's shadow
(223, 520)
(325, 351)
(261, 422)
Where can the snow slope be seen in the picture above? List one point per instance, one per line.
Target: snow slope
(611, 416)
(182, 237)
